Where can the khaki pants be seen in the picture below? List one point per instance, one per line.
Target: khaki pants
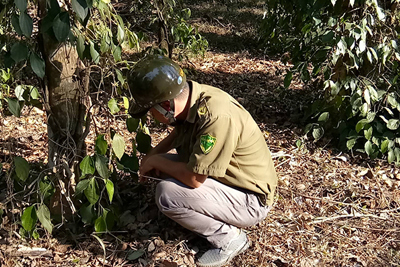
(213, 210)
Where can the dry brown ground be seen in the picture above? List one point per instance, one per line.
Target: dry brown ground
(331, 209)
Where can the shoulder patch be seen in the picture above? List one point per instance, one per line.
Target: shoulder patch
(202, 109)
(207, 143)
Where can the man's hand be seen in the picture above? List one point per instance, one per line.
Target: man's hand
(178, 170)
(147, 168)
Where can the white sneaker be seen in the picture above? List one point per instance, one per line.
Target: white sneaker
(217, 256)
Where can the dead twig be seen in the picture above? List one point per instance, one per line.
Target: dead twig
(346, 216)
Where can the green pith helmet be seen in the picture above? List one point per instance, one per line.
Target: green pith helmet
(153, 80)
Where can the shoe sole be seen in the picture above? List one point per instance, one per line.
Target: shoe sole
(240, 251)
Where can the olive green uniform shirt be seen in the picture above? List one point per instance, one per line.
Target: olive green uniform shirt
(220, 139)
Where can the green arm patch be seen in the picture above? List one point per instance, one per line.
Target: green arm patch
(207, 143)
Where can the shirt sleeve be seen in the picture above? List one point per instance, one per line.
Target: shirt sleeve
(214, 147)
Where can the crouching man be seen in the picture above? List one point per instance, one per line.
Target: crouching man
(222, 178)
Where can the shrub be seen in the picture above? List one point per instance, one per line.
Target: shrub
(349, 49)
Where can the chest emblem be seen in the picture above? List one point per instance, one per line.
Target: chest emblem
(207, 143)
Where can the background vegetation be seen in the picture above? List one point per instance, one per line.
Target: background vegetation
(348, 51)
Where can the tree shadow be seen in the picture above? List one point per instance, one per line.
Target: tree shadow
(261, 92)
(228, 26)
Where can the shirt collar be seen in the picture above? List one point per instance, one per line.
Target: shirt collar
(195, 95)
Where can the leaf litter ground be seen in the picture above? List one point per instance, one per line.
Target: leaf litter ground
(331, 209)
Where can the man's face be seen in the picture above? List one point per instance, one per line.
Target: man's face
(160, 116)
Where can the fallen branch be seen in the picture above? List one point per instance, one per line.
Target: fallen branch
(320, 198)
(346, 216)
(395, 230)
(340, 203)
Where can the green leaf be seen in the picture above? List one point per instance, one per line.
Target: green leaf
(334, 88)
(14, 106)
(113, 106)
(393, 124)
(61, 26)
(364, 109)
(80, 46)
(29, 218)
(309, 127)
(15, 24)
(350, 143)
(370, 117)
(305, 74)
(46, 188)
(37, 65)
(361, 124)
(19, 92)
(21, 168)
(19, 52)
(81, 9)
(92, 191)
(21, 5)
(391, 156)
(101, 166)
(116, 51)
(143, 142)
(380, 12)
(131, 163)
(373, 52)
(81, 186)
(299, 143)
(362, 45)
(93, 53)
(367, 96)
(391, 99)
(87, 213)
(87, 166)
(110, 189)
(134, 255)
(43, 214)
(368, 133)
(118, 145)
(101, 145)
(26, 24)
(126, 103)
(105, 42)
(110, 219)
(376, 140)
(288, 79)
(120, 77)
(132, 124)
(317, 132)
(384, 146)
(369, 56)
(35, 235)
(327, 37)
(369, 148)
(100, 224)
(323, 117)
(120, 34)
(397, 153)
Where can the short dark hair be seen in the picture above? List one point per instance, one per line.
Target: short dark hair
(184, 93)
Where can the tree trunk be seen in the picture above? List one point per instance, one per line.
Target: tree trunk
(64, 96)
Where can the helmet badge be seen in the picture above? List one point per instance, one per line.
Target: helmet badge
(181, 74)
